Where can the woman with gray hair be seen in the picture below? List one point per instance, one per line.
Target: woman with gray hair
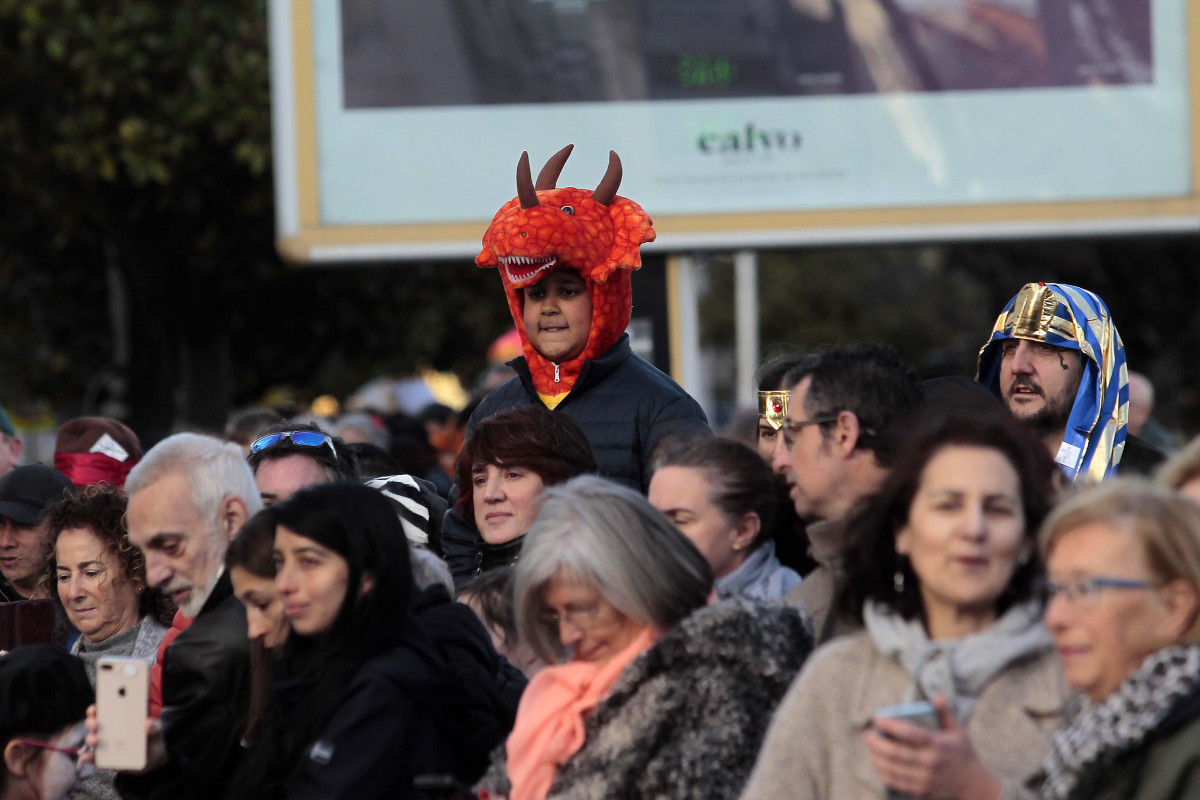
(651, 693)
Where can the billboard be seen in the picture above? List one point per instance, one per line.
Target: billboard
(398, 123)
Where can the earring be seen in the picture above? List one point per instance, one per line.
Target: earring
(1023, 559)
(898, 580)
(738, 545)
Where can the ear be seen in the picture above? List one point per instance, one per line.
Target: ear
(233, 515)
(15, 445)
(845, 433)
(1181, 605)
(18, 759)
(368, 583)
(746, 531)
(903, 541)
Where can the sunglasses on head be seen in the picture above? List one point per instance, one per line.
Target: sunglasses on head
(298, 438)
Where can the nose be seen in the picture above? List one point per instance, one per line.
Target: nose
(8, 535)
(158, 571)
(1020, 361)
(974, 522)
(256, 628)
(1058, 612)
(781, 461)
(493, 492)
(285, 581)
(568, 633)
(75, 587)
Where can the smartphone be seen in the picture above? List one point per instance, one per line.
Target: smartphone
(122, 706)
(920, 713)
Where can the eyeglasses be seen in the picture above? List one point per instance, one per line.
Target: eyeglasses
(1085, 592)
(582, 618)
(300, 438)
(789, 425)
(82, 769)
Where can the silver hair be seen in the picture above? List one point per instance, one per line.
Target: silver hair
(611, 537)
(214, 470)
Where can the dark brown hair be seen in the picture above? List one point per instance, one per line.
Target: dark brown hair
(545, 442)
(101, 510)
(871, 561)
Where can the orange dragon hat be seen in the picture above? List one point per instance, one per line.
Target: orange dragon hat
(595, 232)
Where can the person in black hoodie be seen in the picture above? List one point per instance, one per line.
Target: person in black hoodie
(370, 693)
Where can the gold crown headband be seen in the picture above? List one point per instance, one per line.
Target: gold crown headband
(772, 408)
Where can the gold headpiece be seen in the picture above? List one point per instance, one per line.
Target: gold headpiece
(772, 407)
(1033, 317)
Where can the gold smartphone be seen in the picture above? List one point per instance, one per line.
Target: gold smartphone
(122, 706)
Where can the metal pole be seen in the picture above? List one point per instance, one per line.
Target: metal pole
(745, 298)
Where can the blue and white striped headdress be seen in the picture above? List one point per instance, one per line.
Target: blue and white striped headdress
(1073, 318)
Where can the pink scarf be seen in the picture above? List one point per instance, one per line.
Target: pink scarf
(549, 726)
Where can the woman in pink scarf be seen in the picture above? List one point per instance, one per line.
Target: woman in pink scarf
(652, 679)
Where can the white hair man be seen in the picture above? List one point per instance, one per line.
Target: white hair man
(188, 497)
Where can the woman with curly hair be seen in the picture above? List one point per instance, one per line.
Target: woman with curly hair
(99, 578)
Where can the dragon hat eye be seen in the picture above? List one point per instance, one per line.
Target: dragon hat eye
(568, 210)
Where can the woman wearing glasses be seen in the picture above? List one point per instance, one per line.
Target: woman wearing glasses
(1124, 576)
(44, 694)
(650, 693)
(366, 700)
(941, 570)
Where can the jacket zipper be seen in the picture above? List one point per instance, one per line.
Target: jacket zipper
(556, 377)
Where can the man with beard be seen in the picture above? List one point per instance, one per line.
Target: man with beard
(1056, 360)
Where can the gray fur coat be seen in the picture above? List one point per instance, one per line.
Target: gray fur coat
(686, 718)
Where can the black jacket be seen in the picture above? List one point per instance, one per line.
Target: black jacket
(206, 688)
(428, 707)
(1139, 457)
(624, 405)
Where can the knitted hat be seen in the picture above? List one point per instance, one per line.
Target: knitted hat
(43, 689)
(90, 450)
(26, 491)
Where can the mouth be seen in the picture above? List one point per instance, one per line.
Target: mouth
(971, 562)
(1067, 653)
(294, 610)
(1024, 391)
(180, 597)
(11, 561)
(521, 269)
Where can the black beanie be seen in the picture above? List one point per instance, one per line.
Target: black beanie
(43, 689)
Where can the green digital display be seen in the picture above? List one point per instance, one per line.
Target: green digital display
(700, 70)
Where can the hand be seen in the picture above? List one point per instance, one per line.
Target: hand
(156, 748)
(929, 763)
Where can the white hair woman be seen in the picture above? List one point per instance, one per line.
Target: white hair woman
(1123, 561)
(650, 693)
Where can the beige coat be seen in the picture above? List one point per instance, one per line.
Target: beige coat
(814, 749)
(816, 592)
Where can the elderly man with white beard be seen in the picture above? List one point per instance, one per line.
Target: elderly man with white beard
(188, 497)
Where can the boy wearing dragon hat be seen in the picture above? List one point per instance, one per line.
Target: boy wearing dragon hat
(565, 258)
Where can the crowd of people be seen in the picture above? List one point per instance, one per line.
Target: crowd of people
(948, 588)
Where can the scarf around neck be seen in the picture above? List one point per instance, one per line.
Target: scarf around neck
(550, 718)
(1100, 733)
(957, 668)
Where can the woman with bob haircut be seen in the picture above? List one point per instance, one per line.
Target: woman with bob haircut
(650, 693)
(941, 569)
(366, 700)
(504, 465)
(1123, 564)
(721, 496)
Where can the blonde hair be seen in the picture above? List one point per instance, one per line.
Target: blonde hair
(1165, 523)
(1181, 467)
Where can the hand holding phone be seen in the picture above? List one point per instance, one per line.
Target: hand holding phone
(122, 706)
(920, 713)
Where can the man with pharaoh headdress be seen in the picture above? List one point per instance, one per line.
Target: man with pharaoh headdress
(1056, 360)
